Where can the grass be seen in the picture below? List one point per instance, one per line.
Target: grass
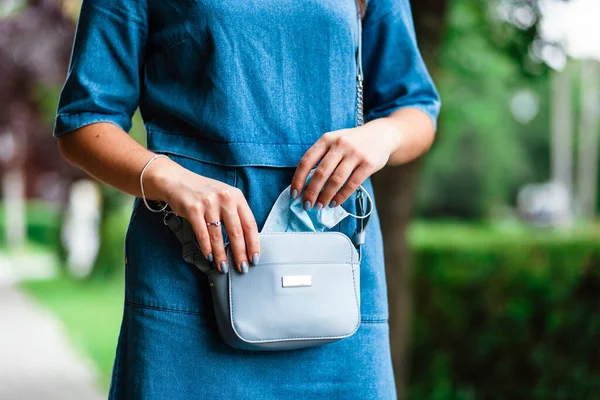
(91, 312)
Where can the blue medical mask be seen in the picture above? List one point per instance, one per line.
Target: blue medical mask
(289, 215)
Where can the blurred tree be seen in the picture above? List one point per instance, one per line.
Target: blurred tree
(33, 58)
(484, 152)
(34, 53)
(479, 54)
(36, 38)
(587, 171)
(478, 155)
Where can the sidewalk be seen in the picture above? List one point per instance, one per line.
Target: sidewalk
(36, 359)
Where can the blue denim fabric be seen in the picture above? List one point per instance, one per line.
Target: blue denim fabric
(169, 345)
(238, 91)
(240, 83)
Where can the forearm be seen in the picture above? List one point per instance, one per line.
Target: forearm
(109, 154)
(409, 132)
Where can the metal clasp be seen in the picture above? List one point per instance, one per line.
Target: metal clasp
(166, 214)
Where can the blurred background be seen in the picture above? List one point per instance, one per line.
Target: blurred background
(492, 240)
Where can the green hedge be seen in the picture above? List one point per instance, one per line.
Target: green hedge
(505, 314)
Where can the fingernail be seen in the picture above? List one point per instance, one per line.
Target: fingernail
(294, 194)
(307, 205)
(319, 205)
(210, 257)
(224, 267)
(255, 258)
(244, 267)
(332, 204)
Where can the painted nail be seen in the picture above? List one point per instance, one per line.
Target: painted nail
(294, 194)
(319, 205)
(224, 267)
(210, 257)
(255, 258)
(332, 204)
(307, 205)
(244, 267)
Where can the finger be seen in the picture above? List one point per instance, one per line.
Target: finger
(235, 233)
(307, 162)
(336, 181)
(250, 232)
(199, 225)
(215, 234)
(319, 178)
(357, 177)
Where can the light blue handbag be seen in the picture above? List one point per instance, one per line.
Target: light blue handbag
(306, 289)
(304, 292)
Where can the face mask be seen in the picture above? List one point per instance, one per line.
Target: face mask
(289, 215)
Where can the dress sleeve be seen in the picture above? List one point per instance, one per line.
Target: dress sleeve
(395, 75)
(103, 80)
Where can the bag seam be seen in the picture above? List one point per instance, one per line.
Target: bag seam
(136, 304)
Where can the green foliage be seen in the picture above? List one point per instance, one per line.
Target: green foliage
(11, 8)
(505, 314)
(138, 132)
(43, 224)
(113, 225)
(482, 155)
(46, 97)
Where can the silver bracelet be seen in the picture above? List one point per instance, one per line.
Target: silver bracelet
(142, 184)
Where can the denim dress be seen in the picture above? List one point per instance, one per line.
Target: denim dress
(238, 91)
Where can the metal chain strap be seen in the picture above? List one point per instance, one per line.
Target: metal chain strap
(360, 119)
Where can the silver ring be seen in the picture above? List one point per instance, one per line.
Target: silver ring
(216, 223)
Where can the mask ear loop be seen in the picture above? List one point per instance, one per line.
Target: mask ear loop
(359, 236)
(359, 194)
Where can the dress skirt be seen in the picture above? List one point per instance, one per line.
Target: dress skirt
(169, 346)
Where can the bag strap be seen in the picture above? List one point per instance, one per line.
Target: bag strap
(360, 120)
(184, 232)
(183, 229)
(359, 236)
(363, 217)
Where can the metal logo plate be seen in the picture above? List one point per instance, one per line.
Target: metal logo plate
(296, 281)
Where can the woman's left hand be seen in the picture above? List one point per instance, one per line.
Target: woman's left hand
(347, 158)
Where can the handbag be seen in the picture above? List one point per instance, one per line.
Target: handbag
(304, 292)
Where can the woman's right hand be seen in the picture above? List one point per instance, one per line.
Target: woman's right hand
(201, 200)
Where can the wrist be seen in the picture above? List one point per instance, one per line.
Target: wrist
(389, 132)
(159, 178)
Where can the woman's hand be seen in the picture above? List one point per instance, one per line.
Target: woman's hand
(347, 158)
(201, 200)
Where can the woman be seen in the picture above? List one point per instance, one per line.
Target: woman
(245, 98)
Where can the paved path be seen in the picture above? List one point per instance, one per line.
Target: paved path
(37, 362)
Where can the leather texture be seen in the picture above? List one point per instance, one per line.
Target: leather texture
(255, 312)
